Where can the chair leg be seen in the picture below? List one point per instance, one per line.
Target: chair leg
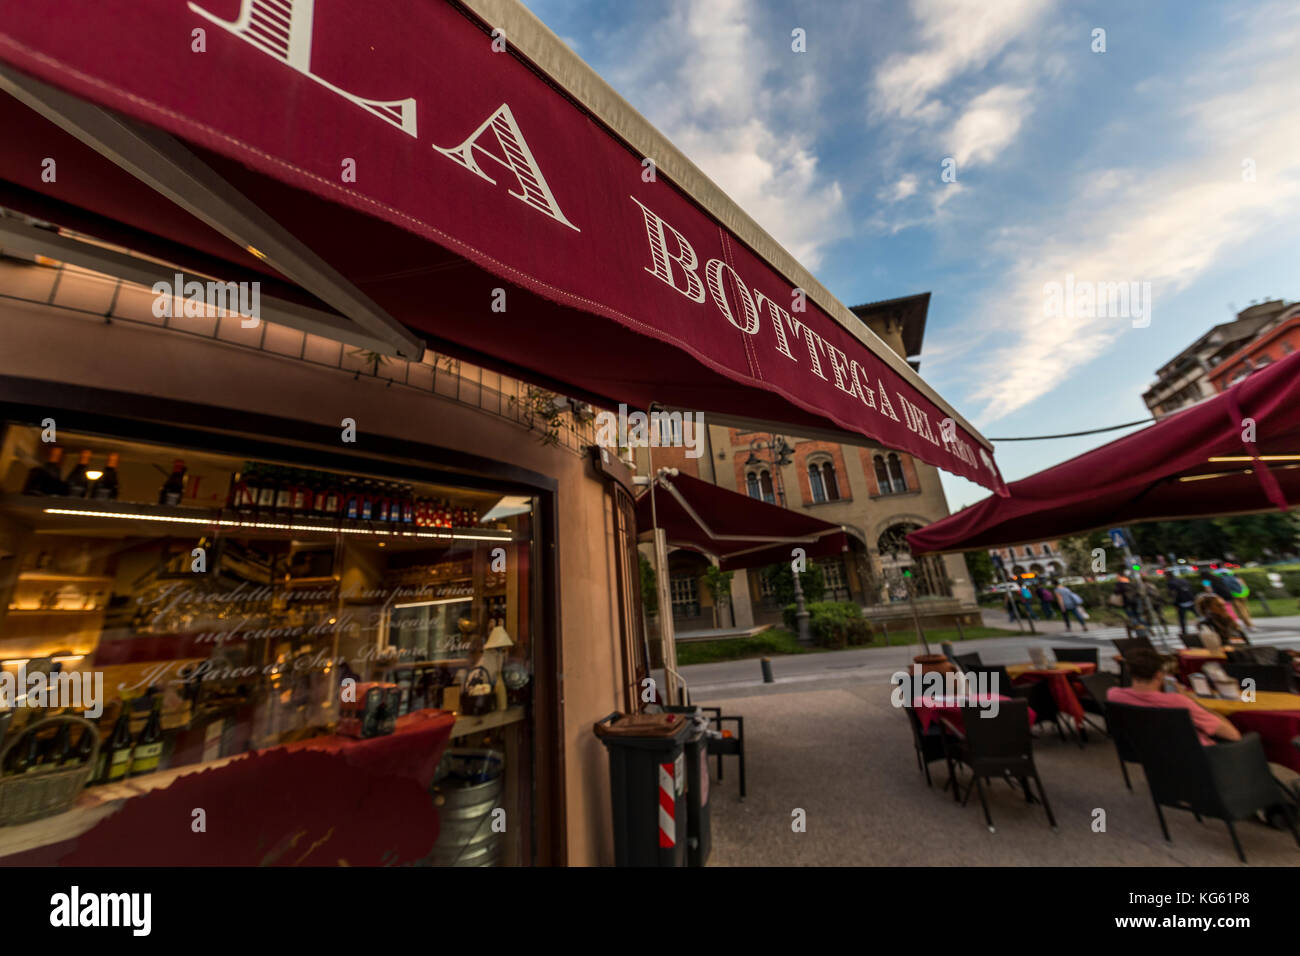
(969, 788)
(1161, 814)
(918, 754)
(1232, 831)
(1051, 818)
(742, 770)
(1029, 794)
(985, 804)
(916, 745)
(1124, 770)
(925, 767)
(1198, 817)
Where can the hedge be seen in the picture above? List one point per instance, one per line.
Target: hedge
(832, 623)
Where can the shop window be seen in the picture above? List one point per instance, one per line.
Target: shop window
(224, 603)
(686, 596)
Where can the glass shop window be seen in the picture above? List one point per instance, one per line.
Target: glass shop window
(233, 605)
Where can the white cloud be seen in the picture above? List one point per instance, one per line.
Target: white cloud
(957, 36)
(748, 122)
(1166, 225)
(988, 125)
(900, 190)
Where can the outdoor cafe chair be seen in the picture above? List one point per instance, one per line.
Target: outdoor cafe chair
(1038, 694)
(1097, 686)
(1227, 781)
(1126, 644)
(1267, 677)
(931, 745)
(1192, 639)
(1076, 655)
(968, 662)
(1000, 746)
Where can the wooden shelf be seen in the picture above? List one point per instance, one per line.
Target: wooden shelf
(55, 610)
(52, 576)
(136, 516)
(497, 718)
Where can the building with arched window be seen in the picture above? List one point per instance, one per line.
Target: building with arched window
(877, 494)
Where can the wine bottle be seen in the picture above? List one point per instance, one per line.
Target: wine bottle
(173, 489)
(105, 489)
(268, 485)
(149, 745)
(78, 483)
(118, 752)
(85, 745)
(45, 479)
(33, 759)
(61, 752)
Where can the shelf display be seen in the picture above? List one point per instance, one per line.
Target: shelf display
(224, 601)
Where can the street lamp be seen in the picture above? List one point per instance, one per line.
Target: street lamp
(782, 452)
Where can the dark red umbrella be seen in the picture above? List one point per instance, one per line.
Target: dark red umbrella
(742, 532)
(1234, 453)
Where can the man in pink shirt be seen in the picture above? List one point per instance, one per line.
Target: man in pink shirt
(1147, 670)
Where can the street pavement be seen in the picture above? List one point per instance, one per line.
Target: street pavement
(824, 744)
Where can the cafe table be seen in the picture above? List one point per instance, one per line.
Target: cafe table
(1274, 716)
(1192, 659)
(1058, 677)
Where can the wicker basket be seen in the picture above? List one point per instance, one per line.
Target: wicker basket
(31, 796)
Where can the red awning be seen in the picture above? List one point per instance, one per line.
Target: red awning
(1200, 461)
(457, 190)
(742, 532)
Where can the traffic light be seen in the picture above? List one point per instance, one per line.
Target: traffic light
(907, 574)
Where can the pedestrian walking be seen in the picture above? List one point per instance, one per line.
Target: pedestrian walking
(1070, 603)
(1239, 592)
(1184, 599)
(1027, 602)
(1046, 599)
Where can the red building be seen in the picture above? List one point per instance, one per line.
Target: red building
(1278, 342)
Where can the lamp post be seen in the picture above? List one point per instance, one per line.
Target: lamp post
(781, 451)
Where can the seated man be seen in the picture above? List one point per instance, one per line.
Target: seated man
(1146, 668)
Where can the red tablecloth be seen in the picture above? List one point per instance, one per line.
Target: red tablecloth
(1276, 729)
(949, 709)
(1059, 681)
(1191, 660)
(328, 801)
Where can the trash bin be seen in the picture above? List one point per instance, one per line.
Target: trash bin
(699, 840)
(647, 783)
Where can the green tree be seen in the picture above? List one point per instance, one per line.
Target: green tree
(781, 580)
(980, 566)
(718, 583)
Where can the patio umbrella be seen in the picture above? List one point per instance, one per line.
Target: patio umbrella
(740, 531)
(1235, 453)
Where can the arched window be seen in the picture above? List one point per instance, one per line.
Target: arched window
(831, 482)
(889, 474)
(882, 476)
(815, 483)
(921, 577)
(758, 484)
(896, 473)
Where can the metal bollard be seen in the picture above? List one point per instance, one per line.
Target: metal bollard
(767, 670)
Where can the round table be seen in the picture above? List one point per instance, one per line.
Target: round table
(1274, 716)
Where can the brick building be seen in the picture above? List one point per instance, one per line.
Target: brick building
(877, 494)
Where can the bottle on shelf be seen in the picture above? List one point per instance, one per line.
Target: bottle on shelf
(78, 481)
(367, 499)
(267, 487)
(284, 494)
(173, 489)
(85, 745)
(105, 489)
(331, 497)
(46, 479)
(116, 757)
(149, 745)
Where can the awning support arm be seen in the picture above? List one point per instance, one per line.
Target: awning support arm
(165, 165)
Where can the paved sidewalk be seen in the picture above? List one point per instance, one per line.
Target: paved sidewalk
(843, 755)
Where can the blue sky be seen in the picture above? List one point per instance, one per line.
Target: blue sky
(1116, 166)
